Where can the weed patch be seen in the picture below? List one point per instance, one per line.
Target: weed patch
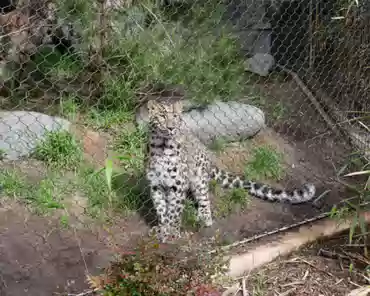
(107, 119)
(52, 63)
(189, 215)
(124, 197)
(130, 148)
(218, 144)
(47, 196)
(43, 196)
(152, 270)
(229, 201)
(69, 107)
(59, 149)
(13, 184)
(265, 163)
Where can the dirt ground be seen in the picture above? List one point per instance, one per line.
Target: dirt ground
(39, 257)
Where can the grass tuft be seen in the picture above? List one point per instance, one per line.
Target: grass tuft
(59, 149)
(47, 196)
(265, 163)
(189, 215)
(130, 146)
(230, 201)
(13, 184)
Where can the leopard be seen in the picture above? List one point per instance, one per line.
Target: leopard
(179, 164)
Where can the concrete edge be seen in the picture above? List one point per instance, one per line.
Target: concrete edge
(291, 241)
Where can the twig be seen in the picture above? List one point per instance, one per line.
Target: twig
(331, 255)
(364, 126)
(358, 257)
(88, 292)
(314, 266)
(281, 229)
(244, 288)
(288, 292)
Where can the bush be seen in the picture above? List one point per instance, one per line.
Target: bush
(155, 270)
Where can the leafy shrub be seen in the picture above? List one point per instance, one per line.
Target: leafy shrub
(156, 270)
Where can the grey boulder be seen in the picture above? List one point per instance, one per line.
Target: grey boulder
(21, 131)
(231, 121)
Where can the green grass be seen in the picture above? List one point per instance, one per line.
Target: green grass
(13, 184)
(130, 146)
(60, 149)
(189, 215)
(218, 145)
(47, 196)
(124, 197)
(259, 284)
(52, 63)
(94, 186)
(265, 163)
(208, 67)
(64, 221)
(107, 119)
(43, 196)
(229, 201)
(276, 109)
(2, 154)
(69, 107)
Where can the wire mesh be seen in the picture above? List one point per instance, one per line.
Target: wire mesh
(275, 91)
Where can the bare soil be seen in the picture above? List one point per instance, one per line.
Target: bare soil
(39, 257)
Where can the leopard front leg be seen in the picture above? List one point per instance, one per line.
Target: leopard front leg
(201, 194)
(176, 197)
(159, 200)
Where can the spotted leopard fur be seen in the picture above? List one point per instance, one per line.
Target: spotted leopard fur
(178, 163)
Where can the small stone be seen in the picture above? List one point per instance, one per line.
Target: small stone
(260, 63)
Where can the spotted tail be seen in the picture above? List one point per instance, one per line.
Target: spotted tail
(263, 191)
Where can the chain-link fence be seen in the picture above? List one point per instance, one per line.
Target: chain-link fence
(273, 91)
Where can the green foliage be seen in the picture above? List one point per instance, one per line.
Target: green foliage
(189, 215)
(69, 107)
(51, 62)
(130, 146)
(42, 196)
(107, 119)
(60, 149)
(181, 52)
(353, 208)
(107, 189)
(13, 183)
(228, 202)
(47, 196)
(94, 186)
(265, 163)
(119, 93)
(152, 270)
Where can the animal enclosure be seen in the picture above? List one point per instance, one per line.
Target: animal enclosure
(277, 92)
